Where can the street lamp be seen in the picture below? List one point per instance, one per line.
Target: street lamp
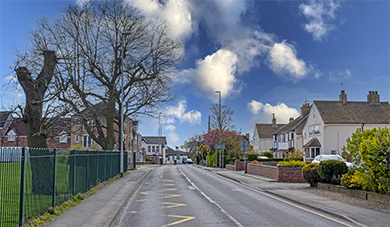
(159, 135)
(219, 123)
(122, 97)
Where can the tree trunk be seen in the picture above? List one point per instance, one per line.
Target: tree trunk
(34, 90)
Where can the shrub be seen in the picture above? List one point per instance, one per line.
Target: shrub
(330, 171)
(292, 163)
(310, 174)
(211, 158)
(267, 154)
(296, 155)
(255, 162)
(251, 156)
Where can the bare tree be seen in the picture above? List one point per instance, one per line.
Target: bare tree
(89, 42)
(192, 145)
(226, 122)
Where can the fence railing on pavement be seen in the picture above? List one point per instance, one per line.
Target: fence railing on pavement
(33, 179)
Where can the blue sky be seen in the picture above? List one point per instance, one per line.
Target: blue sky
(264, 56)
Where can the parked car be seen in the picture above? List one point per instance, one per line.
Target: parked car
(324, 157)
(189, 161)
(262, 157)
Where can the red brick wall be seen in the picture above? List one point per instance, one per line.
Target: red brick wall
(291, 175)
(19, 142)
(239, 165)
(263, 170)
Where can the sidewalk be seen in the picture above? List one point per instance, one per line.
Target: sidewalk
(102, 208)
(360, 216)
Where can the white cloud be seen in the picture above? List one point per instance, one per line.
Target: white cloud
(173, 138)
(282, 113)
(169, 127)
(179, 112)
(81, 2)
(215, 72)
(255, 106)
(11, 79)
(340, 75)
(176, 13)
(318, 13)
(283, 60)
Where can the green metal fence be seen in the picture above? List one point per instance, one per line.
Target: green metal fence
(33, 180)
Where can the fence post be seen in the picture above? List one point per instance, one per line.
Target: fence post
(87, 171)
(53, 199)
(21, 202)
(74, 172)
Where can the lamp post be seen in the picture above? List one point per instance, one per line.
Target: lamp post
(122, 97)
(159, 134)
(219, 123)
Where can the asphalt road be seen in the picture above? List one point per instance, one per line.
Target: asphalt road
(183, 195)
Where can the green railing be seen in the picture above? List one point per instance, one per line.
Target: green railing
(33, 180)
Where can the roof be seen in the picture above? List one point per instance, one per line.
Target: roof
(155, 139)
(313, 143)
(267, 130)
(334, 112)
(171, 152)
(295, 125)
(3, 118)
(18, 126)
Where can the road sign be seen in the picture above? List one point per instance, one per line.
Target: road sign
(219, 146)
(244, 145)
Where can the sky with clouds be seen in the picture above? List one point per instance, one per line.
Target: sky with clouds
(264, 56)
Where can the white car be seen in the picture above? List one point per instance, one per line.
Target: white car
(324, 157)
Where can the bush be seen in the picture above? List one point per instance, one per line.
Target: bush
(267, 154)
(330, 171)
(211, 158)
(296, 155)
(310, 173)
(292, 163)
(255, 162)
(251, 156)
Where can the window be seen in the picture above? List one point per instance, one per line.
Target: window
(11, 136)
(333, 152)
(87, 141)
(312, 152)
(314, 129)
(63, 138)
(149, 149)
(76, 139)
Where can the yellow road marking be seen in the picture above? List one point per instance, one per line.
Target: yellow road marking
(169, 184)
(168, 180)
(133, 212)
(185, 218)
(143, 193)
(172, 205)
(169, 189)
(166, 196)
(292, 204)
(141, 200)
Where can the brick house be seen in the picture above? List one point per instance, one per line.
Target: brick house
(13, 133)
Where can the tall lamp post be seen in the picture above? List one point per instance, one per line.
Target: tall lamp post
(159, 134)
(122, 97)
(219, 122)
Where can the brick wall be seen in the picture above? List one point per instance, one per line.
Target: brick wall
(263, 170)
(239, 166)
(291, 175)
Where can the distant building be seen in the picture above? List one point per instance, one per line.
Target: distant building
(263, 135)
(289, 137)
(156, 147)
(175, 155)
(330, 123)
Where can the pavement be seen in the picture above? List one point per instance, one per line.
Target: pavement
(106, 206)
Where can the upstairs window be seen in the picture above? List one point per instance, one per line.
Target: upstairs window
(76, 138)
(87, 141)
(314, 129)
(63, 137)
(11, 136)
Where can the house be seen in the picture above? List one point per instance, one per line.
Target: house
(155, 147)
(263, 135)
(175, 155)
(14, 134)
(95, 118)
(330, 123)
(289, 137)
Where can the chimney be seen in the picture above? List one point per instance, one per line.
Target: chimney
(305, 108)
(291, 119)
(373, 97)
(343, 97)
(274, 121)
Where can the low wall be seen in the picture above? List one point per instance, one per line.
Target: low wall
(365, 195)
(263, 170)
(230, 167)
(280, 173)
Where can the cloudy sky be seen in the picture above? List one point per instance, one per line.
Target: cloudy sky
(264, 56)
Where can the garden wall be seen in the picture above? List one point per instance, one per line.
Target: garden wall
(280, 173)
